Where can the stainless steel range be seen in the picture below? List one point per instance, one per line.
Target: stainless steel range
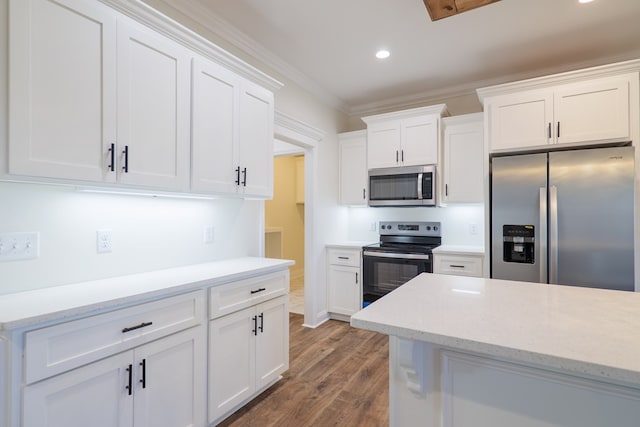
(404, 251)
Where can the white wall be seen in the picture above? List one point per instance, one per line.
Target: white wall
(456, 221)
(148, 233)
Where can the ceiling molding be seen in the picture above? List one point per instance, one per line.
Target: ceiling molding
(225, 30)
(166, 26)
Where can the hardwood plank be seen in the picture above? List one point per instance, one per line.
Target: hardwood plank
(338, 375)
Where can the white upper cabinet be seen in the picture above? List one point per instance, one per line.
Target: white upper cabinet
(214, 129)
(353, 167)
(153, 108)
(595, 110)
(404, 138)
(521, 119)
(232, 133)
(62, 90)
(463, 161)
(97, 97)
(588, 110)
(255, 145)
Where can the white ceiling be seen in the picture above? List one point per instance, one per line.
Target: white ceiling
(328, 46)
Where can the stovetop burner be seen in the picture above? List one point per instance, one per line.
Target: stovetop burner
(407, 237)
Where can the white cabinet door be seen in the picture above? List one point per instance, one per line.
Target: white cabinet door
(353, 168)
(593, 111)
(232, 347)
(464, 162)
(170, 387)
(344, 289)
(94, 395)
(272, 341)
(214, 132)
(521, 120)
(383, 144)
(153, 108)
(256, 140)
(62, 88)
(419, 136)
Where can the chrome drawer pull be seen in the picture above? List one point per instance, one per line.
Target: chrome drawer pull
(141, 325)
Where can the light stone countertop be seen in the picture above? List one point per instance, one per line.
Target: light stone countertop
(348, 244)
(61, 302)
(592, 332)
(459, 250)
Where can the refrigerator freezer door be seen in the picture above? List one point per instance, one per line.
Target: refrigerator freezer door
(518, 195)
(594, 209)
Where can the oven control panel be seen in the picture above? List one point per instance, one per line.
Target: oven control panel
(416, 228)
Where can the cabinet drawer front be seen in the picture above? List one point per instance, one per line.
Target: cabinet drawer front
(230, 297)
(55, 349)
(349, 257)
(459, 265)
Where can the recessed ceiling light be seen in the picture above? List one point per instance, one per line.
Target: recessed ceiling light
(382, 54)
(585, 1)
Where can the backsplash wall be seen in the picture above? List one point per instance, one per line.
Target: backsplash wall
(148, 233)
(457, 222)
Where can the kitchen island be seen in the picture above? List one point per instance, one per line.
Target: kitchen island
(468, 351)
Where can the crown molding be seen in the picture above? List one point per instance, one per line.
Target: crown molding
(560, 78)
(439, 109)
(289, 129)
(228, 32)
(166, 26)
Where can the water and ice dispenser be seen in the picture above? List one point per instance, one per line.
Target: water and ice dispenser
(518, 243)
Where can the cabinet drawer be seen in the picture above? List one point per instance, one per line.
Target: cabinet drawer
(459, 265)
(349, 257)
(230, 297)
(55, 349)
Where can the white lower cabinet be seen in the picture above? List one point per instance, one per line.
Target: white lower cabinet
(344, 282)
(248, 350)
(458, 265)
(157, 384)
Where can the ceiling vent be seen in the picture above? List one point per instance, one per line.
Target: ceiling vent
(439, 9)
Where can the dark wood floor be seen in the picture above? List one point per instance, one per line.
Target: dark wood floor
(338, 376)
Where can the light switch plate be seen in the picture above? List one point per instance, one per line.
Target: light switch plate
(16, 246)
(209, 234)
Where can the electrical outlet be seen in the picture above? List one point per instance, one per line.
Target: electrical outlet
(473, 228)
(15, 246)
(104, 241)
(209, 235)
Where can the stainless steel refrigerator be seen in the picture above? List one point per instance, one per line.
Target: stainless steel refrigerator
(564, 217)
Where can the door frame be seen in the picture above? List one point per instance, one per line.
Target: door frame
(302, 135)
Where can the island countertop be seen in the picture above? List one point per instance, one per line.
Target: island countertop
(591, 332)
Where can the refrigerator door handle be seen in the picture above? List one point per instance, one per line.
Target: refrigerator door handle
(553, 234)
(543, 235)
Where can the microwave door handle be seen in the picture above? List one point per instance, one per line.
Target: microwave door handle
(420, 186)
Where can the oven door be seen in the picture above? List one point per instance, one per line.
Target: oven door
(384, 271)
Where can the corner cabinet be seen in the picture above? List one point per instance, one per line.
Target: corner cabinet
(588, 106)
(248, 340)
(232, 133)
(344, 282)
(404, 138)
(463, 159)
(120, 91)
(353, 168)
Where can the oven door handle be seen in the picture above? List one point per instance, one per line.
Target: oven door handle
(396, 256)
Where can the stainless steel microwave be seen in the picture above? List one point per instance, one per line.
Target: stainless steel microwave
(403, 186)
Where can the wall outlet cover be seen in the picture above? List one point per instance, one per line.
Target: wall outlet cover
(209, 234)
(104, 241)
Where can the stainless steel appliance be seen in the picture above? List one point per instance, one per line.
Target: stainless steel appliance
(403, 186)
(404, 251)
(564, 217)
